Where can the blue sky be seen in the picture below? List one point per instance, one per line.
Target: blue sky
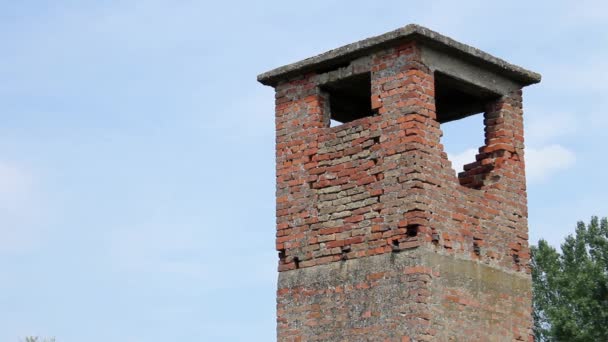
(137, 149)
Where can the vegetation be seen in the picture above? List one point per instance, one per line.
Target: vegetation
(37, 339)
(571, 288)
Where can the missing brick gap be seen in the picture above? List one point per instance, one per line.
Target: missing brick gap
(476, 248)
(296, 262)
(345, 250)
(516, 259)
(412, 230)
(282, 254)
(395, 245)
(435, 238)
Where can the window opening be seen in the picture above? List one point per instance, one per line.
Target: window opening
(349, 99)
(456, 99)
(456, 103)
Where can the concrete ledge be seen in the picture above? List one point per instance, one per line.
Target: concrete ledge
(453, 271)
(346, 53)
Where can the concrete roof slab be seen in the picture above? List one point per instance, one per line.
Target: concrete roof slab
(410, 32)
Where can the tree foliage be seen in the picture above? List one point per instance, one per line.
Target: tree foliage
(37, 339)
(571, 288)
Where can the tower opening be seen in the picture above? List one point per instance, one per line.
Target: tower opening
(371, 209)
(349, 98)
(456, 99)
(458, 104)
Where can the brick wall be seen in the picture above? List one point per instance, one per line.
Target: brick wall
(417, 252)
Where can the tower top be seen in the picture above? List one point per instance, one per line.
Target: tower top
(368, 204)
(447, 47)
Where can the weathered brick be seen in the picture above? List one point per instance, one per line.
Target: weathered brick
(378, 239)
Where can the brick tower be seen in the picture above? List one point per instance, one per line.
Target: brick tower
(378, 239)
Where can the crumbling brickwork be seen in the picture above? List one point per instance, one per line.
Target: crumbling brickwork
(378, 239)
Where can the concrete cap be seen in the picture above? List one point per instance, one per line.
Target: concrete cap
(410, 32)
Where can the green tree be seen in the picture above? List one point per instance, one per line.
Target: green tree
(571, 288)
(37, 339)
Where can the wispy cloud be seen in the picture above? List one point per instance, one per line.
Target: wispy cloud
(586, 76)
(460, 159)
(543, 162)
(543, 127)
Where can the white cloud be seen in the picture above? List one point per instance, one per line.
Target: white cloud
(585, 76)
(460, 159)
(542, 127)
(542, 162)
